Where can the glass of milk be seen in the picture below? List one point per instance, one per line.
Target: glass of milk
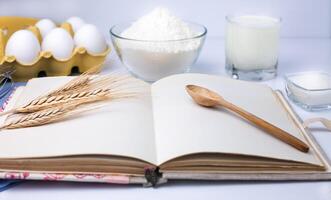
(251, 46)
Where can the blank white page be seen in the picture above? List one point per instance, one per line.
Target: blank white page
(124, 128)
(182, 127)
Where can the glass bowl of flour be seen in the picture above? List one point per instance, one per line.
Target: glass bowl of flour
(158, 44)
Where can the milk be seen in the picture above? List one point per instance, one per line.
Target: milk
(311, 90)
(252, 42)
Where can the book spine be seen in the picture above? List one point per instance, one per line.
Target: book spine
(152, 176)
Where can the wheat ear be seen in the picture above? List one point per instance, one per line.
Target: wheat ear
(60, 111)
(77, 82)
(108, 87)
(85, 83)
(49, 115)
(63, 99)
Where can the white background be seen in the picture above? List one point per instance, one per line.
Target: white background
(306, 45)
(301, 18)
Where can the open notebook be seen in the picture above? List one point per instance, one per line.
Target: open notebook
(162, 136)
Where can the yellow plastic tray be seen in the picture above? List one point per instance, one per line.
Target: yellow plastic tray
(45, 64)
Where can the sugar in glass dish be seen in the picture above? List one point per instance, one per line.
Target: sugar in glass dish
(310, 90)
(152, 60)
(251, 46)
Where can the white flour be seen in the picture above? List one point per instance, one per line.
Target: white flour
(159, 45)
(161, 25)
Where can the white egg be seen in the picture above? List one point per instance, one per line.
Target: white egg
(59, 42)
(76, 23)
(24, 45)
(91, 39)
(45, 26)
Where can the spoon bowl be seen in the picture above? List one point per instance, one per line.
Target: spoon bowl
(203, 96)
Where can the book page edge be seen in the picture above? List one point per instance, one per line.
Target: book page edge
(305, 132)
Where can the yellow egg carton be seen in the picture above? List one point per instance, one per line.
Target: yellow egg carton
(45, 64)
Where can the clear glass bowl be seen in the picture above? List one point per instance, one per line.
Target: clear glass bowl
(310, 90)
(152, 60)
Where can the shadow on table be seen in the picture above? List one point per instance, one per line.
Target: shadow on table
(46, 185)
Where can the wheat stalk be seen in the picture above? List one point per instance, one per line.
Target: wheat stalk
(59, 112)
(82, 87)
(81, 91)
(80, 82)
(63, 99)
(47, 116)
(69, 99)
(77, 82)
(107, 87)
(38, 118)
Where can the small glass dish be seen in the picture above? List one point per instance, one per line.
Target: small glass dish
(152, 60)
(310, 90)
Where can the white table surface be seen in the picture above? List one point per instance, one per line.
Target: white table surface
(296, 55)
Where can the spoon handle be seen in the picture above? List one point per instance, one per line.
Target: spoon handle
(269, 128)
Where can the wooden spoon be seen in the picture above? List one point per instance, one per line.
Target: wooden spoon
(207, 98)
